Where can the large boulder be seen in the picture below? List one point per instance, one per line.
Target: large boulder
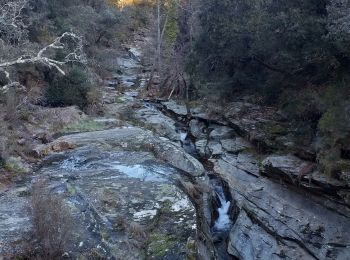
(221, 132)
(175, 107)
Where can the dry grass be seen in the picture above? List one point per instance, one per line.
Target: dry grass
(52, 222)
(136, 231)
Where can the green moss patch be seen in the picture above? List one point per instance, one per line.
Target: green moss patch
(85, 126)
(159, 244)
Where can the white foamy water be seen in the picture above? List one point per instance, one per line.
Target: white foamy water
(223, 222)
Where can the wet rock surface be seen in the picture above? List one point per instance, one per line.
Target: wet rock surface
(126, 202)
(121, 185)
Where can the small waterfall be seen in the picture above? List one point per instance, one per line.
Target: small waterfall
(223, 222)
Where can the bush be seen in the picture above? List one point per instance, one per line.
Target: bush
(52, 222)
(70, 89)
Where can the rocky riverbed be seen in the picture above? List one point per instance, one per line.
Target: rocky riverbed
(172, 182)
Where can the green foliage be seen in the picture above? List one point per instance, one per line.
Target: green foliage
(268, 46)
(335, 123)
(85, 126)
(13, 165)
(159, 244)
(171, 28)
(70, 89)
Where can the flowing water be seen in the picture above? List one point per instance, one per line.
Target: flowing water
(223, 222)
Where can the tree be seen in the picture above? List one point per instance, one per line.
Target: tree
(251, 44)
(69, 42)
(12, 22)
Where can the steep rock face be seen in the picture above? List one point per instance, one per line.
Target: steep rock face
(272, 220)
(289, 168)
(266, 129)
(249, 120)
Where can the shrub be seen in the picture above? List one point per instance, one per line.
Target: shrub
(70, 89)
(95, 102)
(52, 222)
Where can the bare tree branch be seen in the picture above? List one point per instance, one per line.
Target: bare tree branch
(60, 43)
(12, 21)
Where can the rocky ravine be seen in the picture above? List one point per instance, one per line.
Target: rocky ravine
(139, 194)
(274, 214)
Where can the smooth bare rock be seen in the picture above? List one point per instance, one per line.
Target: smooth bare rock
(248, 240)
(131, 138)
(119, 194)
(276, 222)
(196, 128)
(215, 148)
(208, 148)
(200, 112)
(175, 107)
(243, 161)
(221, 132)
(178, 158)
(21, 141)
(162, 124)
(236, 145)
(114, 137)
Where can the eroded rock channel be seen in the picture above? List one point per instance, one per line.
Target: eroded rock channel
(173, 182)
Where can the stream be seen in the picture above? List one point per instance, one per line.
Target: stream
(166, 185)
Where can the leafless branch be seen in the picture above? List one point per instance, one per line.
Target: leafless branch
(11, 13)
(60, 43)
